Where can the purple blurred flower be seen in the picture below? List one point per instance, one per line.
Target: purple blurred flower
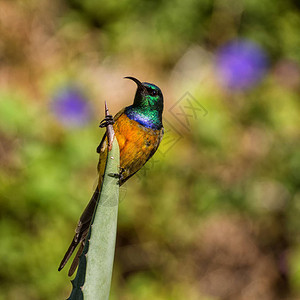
(241, 64)
(71, 107)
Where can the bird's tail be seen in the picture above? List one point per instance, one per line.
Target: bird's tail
(80, 234)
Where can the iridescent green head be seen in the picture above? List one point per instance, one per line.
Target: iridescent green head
(148, 105)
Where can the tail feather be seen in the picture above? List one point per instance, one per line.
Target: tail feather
(76, 260)
(80, 234)
(68, 254)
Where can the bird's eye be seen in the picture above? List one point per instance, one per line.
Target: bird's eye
(153, 92)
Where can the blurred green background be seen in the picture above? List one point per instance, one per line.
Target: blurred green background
(215, 213)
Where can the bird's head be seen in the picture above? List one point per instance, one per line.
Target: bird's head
(148, 96)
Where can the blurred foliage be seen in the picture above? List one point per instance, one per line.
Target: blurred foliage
(214, 214)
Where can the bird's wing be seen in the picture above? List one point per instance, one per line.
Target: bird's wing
(161, 134)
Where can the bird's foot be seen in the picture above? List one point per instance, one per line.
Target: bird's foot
(108, 120)
(118, 175)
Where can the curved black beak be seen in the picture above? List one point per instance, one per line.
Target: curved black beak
(139, 84)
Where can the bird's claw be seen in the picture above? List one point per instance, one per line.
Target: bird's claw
(114, 175)
(118, 175)
(108, 120)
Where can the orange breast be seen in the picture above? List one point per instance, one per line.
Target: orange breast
(137, 143)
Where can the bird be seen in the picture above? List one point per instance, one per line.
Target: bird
(139, 130)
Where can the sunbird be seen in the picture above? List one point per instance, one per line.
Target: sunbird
(139, 131)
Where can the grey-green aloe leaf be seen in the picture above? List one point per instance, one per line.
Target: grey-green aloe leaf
(93, 278)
